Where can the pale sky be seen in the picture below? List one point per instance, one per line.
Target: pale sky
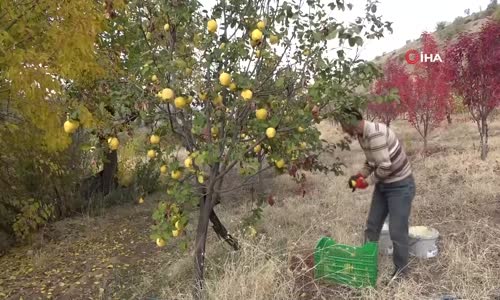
(410, 19)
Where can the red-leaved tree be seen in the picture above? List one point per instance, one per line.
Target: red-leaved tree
(388, 91)
(428, 96)
(473, 64)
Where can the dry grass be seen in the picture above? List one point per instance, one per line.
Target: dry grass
(456, 193)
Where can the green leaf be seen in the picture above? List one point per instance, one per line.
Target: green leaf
(85, 147)
(352, 41)
(332, 34)
(200, 159)
(340, 54)
(359, 41)
(184, 246)
(340, 4)
(317, 36)
(280, 83)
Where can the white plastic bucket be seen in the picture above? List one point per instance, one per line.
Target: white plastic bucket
(423, 241)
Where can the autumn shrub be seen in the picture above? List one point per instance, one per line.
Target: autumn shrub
(37, 186)
(147, 176)
(134, 170)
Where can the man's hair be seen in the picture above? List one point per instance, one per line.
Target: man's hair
(349, 115)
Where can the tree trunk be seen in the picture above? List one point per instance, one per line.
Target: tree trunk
(109, 172)
(222, 232)
(448, 117)
(207, 214)
(425, 146)
(484, 138)
(200, 243)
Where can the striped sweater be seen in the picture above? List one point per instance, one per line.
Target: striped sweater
(386, 160)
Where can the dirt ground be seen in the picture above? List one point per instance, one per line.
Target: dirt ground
(112, 257)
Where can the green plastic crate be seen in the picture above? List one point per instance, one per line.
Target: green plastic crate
(346, 265)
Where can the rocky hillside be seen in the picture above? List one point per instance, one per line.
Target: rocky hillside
(448, 31)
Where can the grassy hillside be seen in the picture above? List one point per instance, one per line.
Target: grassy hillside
(447, 31)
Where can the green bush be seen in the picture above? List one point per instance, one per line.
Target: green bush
(33, 214)
(97, 204)
(440, 26)
(458, 21)
(37, 185)
(496, 14)
(492, 6)
(147, 176)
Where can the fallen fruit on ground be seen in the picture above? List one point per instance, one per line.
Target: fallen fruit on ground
(154, 78)
(251, 231)
(160, 242)
(166, 27)
(175, 232)
(257, 148)
(141, 200)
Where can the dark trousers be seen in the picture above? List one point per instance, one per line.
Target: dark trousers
(394, 199)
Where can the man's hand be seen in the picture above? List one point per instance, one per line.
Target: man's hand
(357, 182)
